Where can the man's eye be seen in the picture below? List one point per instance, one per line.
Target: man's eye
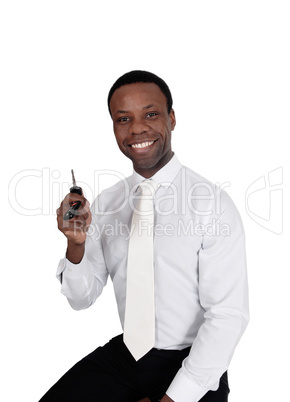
(123, 119)
(152, 114)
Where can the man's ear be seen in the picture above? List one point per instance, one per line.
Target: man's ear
(172, 119)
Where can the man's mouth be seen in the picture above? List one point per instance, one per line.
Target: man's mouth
(144, 144)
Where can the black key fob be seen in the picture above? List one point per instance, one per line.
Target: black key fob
(73, 209)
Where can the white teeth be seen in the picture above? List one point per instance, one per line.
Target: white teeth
(143, 144)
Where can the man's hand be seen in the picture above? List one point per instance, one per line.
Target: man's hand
(74, 229)
(166, 398)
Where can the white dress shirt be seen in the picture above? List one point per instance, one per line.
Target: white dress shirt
(201, 295)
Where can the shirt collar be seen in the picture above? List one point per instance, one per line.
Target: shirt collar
(164, 176)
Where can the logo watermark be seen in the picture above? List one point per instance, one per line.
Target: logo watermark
(46, 190)
(264, 201)
(177, 229)
(202, 198)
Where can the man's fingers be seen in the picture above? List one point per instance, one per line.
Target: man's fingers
(72, 197)
(74, 229)
(77, 221)
(69, 200)
(87, 213)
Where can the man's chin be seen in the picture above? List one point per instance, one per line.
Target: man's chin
(147, 167)
(143, 164)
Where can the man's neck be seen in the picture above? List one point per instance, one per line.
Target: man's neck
(147, 173)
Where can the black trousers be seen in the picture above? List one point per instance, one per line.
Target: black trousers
(110, 374)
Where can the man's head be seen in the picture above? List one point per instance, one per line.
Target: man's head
(142, 76)
(140, 105)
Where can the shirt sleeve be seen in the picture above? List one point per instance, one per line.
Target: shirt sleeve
(83, 283)
(223, 294)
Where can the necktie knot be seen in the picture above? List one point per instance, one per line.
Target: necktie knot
(148, 188)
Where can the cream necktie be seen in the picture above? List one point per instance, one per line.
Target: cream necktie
(139, 324)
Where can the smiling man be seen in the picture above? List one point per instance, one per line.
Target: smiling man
(181, 289)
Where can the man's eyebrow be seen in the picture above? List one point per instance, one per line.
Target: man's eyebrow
(122, 111)
(148, 106)
(144, 108)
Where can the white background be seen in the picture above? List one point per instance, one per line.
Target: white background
(227, 64)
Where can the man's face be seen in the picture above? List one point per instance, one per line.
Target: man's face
(142, 126)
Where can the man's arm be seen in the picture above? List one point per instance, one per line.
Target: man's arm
(223, 294)
(83, 272)
(166, 398)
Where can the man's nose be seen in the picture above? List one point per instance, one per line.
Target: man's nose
(139, 126)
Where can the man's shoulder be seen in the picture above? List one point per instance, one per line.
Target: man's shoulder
(200, 188)
(194, 177)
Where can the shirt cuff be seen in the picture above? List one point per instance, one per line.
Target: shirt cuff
(73, 271)
(183, 389)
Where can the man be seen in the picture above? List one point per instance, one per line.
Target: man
(200, 302)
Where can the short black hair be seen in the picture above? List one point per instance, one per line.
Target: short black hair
(136, 76)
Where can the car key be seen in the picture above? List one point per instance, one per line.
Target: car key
(74, 206)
